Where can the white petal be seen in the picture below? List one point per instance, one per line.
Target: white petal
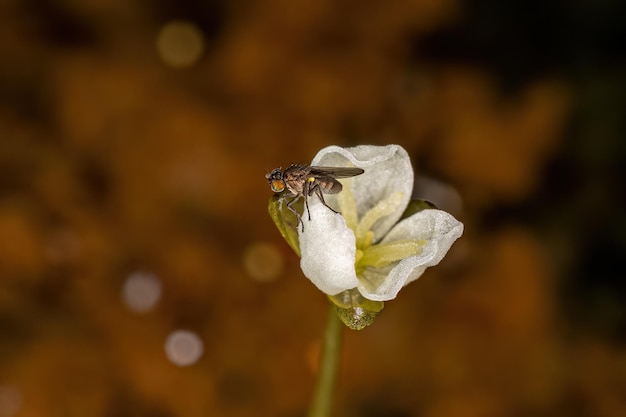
(387, 170)
(328, 249)
(438, 228)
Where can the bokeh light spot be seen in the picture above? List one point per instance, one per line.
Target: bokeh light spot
(180, 43)
(183, 347)
(263, 261)
(10, 400)
(141, 291)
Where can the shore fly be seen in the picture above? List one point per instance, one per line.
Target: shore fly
(302, 181)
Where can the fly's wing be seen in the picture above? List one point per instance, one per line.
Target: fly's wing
(326, 177)
(336, 172)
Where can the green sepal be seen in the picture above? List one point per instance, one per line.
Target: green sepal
(416, 206)
(285, 221)
(354, 310)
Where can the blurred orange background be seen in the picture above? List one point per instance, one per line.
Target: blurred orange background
(134, 141)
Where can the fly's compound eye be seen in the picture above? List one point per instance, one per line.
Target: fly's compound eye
(275, 179)
(277, 185)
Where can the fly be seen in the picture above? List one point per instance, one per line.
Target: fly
(302, 181)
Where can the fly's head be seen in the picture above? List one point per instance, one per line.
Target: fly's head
(276, 180)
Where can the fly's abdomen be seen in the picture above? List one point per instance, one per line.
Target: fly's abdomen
(330, 186)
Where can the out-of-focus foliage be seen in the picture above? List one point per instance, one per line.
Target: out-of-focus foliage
(126, 147)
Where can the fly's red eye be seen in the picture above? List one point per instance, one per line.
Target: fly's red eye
(277, 185)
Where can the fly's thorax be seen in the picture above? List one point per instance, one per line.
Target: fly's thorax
(294, 188)
(295, 176)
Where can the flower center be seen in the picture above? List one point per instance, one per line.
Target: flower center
(369, 254)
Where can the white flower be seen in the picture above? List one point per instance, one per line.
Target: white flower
(367, 247)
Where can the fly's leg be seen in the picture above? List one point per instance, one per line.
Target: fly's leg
(306, 192)
(293, 210)
(318, 192)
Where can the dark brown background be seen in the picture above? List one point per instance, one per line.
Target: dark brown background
(113, 162)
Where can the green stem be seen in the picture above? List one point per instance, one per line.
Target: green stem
(323, 397)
